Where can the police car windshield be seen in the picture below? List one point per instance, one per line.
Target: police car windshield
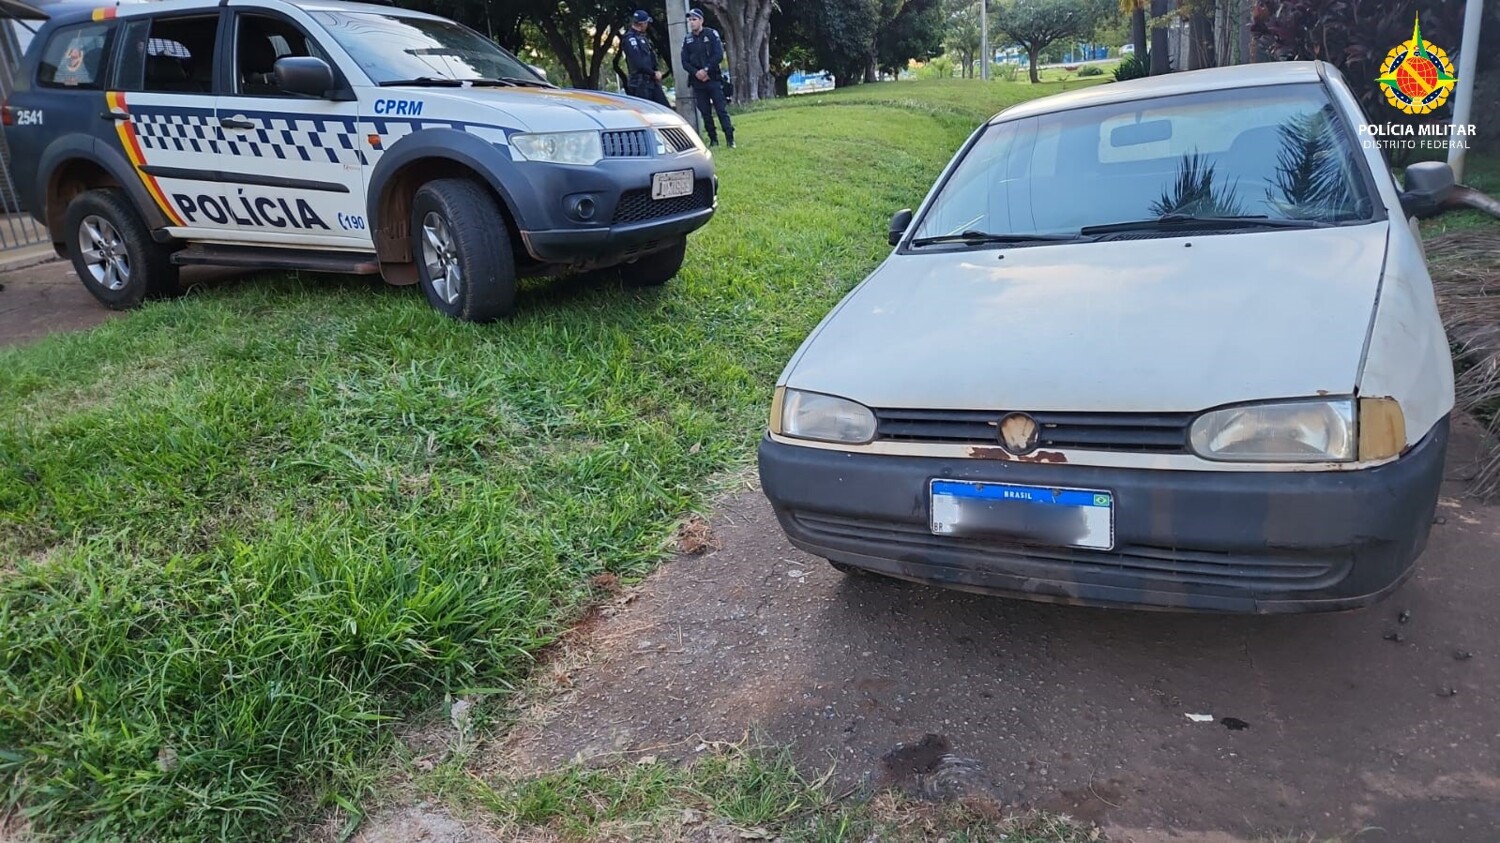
(394, 49)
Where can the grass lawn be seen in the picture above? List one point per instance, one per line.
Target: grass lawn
(242, 532)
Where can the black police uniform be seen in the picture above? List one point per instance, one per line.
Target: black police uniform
(705, 51)
(640, 60)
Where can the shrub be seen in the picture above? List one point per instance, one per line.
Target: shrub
(1135, 66)
(1091, 70)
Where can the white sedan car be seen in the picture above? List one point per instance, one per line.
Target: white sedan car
(1165, 343)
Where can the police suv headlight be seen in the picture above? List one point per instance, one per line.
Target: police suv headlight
(1287, 431)
(560, 147)
(825, 418)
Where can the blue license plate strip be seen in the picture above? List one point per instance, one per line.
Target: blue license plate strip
(1041, 515)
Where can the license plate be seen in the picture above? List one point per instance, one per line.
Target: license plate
(1025, 514)
(673, 184)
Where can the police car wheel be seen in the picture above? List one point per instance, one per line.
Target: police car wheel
(113, 252)
(464, 263)
(656, 268)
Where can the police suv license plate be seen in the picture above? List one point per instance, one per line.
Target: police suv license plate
(1025, 514)
(673, 184)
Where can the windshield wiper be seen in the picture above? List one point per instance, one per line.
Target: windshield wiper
(1172, 222)
(443, 82)
(529, 83)
(982, 238)
(435, 81)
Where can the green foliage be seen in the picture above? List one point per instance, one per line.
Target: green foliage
(1091, 70)
(1135, 66)
(913, 32)
(1036, 24)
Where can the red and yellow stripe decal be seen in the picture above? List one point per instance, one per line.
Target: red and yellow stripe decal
(105, 14)
(132, 146)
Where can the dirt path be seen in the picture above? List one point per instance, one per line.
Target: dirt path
(48, 298)
(1085, 711)
(44, 299)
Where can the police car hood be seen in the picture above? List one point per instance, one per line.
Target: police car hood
(559, 109)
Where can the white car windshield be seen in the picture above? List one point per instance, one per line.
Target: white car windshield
(1267, 156)
(395, 48)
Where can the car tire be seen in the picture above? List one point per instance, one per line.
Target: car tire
(462, 251)
(113, 253)
(657, 268)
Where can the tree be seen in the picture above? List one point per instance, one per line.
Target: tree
(915, 31)
(1137, 25)
(963, 33)
(1036, 24)
(746, 27)
(843, 33)
(791, 45)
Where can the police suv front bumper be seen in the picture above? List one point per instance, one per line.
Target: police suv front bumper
(583, 216)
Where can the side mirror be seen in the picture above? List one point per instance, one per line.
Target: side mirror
(538, 71)
(308, 75)
(1428, 184)
(899, 224)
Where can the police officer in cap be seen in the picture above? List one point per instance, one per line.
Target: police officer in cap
(702, 51)
(644, 80)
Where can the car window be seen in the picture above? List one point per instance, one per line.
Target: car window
(169, 55)
(394, 47)
(74, 57)
(260, 41)
(1278, 151)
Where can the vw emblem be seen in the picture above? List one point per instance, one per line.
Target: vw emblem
(1019, 433)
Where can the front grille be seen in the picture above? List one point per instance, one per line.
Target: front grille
(637, 205)
(1158, 433)
(678, 139)
(1261, 574)
(632, 143)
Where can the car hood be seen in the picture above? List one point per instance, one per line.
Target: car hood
(559, 109)
(1176, 324)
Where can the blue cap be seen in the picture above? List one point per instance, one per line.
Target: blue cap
(695, 13)
(641, 16)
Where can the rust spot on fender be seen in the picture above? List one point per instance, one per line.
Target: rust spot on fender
(993, 453)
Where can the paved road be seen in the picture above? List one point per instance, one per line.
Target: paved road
(1072, 709)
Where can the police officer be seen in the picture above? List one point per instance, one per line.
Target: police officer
(644, 80)
(702, 51)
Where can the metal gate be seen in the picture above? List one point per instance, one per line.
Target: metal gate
(17, 228)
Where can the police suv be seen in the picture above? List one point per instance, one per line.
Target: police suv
(339, 137)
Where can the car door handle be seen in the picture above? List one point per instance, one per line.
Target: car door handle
(236, 123)
(115, 115)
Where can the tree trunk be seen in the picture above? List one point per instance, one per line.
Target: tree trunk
(566, 52)
(746, 27)
(1200, 41)
(1034, 54)
(783, 84)
(1160, 49)
(1138, 31)
(872, 72)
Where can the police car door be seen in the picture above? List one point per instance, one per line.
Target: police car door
(297, 165)
(162, 109)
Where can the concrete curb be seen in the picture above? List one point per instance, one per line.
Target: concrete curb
(28, 258)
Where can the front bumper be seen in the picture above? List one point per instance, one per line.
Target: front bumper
(626, 222)
(1186, 540)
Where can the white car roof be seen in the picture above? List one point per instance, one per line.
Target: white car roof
(1185, 82)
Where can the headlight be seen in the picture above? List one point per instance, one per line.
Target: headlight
(1292, 431)
(560, 147)
(826, 418)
